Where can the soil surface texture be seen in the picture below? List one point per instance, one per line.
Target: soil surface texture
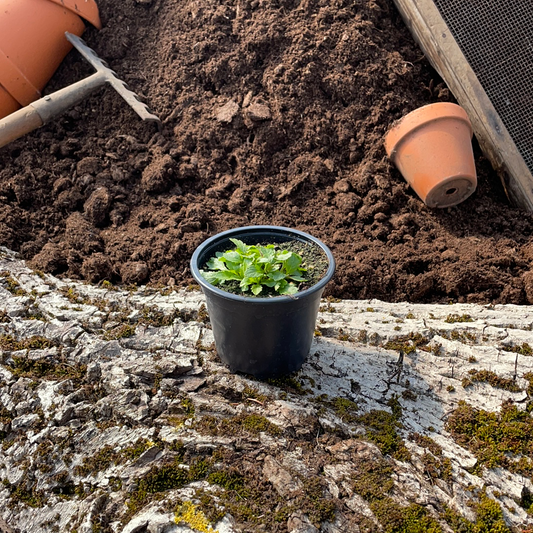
(273, 112)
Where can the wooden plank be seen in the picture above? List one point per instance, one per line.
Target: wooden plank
(434, 37)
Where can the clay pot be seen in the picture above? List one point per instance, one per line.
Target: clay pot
(33, 44)
(432, 148)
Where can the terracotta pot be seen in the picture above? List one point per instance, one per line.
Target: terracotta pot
(432, 148)
(33, 44)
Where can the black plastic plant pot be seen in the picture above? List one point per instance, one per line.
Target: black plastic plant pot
(263, 337)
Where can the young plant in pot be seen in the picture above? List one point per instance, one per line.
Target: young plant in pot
(263, 286)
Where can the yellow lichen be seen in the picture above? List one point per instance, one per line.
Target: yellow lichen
(188, 513)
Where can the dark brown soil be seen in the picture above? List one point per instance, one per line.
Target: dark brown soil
(274, 112)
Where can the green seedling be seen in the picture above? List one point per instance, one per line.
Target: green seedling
(256, 267)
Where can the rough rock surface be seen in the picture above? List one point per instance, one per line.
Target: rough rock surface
(117, 416)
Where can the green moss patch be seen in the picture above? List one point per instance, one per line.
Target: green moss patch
(251, 501)
(489, 518)
(152, 316)
(407, 343)
(314, 503)
(108, 456)
(454, 317)
(436, 466)
(487, 376)
(46, 368)
(373, 482)
(5, 415)
(287, 384)
(11, 284)
(462, 336)
(9, 343)
(177, 474)
(426, 442)
(345, 409)
(74, 297)
(523, 349)
(383, 430)
(250, 423)
(239, 489)
(397, 519)
(503, 439)
(26, 493)
(123, 331)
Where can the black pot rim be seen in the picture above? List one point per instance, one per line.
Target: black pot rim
(236, 297)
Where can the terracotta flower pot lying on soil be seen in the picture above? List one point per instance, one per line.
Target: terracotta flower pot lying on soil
(432, 148)
(33, 44)
(264, 337)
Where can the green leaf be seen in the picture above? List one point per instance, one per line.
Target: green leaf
(268, 253)
(236, 267)
(297, 277)
(241, 247)
(283, 256)
(216, 264)
(257, 288)
(243, 267)
(233, 257)
(225, 275)
(210, 277)
(254, 271)
(292, 263)
(290, 288)
(276, 275)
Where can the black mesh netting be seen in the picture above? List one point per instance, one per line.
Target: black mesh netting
(497, 40)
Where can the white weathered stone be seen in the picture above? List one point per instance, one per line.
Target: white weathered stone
(152, 521)
(283, 482)
(150, 388)
(24, 422)
(299, 523)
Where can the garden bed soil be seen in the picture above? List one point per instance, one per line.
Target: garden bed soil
(273, 112)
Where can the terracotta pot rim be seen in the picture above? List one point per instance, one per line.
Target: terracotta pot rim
(418, 119)
(86, 9)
